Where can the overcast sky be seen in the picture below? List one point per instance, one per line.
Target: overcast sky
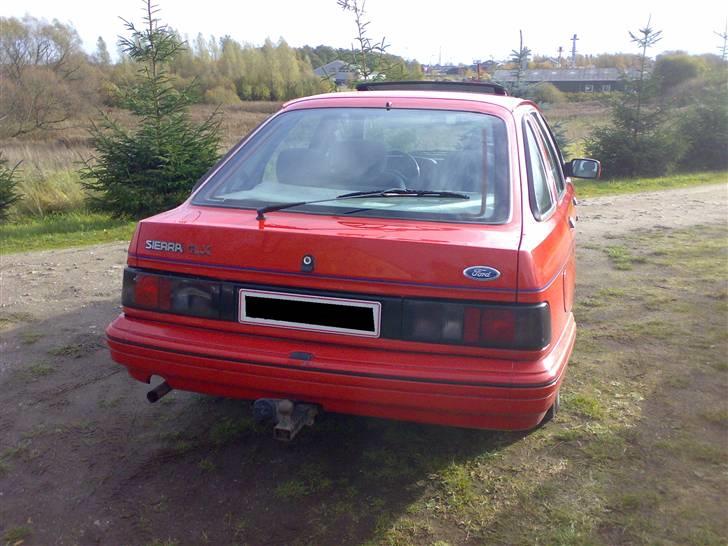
(453, 30)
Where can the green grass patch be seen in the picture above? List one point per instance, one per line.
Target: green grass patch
(229, 430)
(594, 188)
(292, 489)
(622, 258)
(63, 230)
(38, 370)
(583, 404)
(16, 535)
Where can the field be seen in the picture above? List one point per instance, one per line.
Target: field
(636, 456)
(49, 161)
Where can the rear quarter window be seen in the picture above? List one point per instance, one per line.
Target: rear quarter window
(539, 191)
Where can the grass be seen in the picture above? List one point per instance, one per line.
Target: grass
(622, 258)
(595, 188)
(622, 463)
(62, 231)
(628, 453)
(16, 535)
(49, 192)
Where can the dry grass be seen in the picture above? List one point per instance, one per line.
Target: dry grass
(49, 161)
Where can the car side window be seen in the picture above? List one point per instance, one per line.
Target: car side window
(551, 156)
(540, 194)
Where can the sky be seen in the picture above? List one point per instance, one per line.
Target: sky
(451, 31)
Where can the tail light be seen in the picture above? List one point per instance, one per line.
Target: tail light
(525, 327)
(519, 327)
(184, 296)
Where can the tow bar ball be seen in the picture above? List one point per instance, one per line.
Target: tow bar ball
(287, 417)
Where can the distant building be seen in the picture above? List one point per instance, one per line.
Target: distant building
(571, 80)
(340, 72)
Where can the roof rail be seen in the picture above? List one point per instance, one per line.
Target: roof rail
(488, 88)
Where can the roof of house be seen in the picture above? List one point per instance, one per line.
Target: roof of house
(333, 67)
(563, 75)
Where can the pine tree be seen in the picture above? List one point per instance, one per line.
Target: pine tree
(152, 166)
(639, 140)
(8, 191)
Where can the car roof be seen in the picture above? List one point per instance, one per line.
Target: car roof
(507, 102)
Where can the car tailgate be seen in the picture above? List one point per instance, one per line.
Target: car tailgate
(369, 255)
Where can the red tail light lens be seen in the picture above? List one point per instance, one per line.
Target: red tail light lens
(183, 296)
(146, 291)
(515, 327)
(498, 327)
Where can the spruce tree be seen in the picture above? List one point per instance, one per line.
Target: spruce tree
(639, 141)
(8, 190)
(151, 166)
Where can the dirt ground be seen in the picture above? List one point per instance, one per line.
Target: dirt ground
(84, 459)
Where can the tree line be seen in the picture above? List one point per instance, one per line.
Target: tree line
(46, 77)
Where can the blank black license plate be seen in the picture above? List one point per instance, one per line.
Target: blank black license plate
(304, 312)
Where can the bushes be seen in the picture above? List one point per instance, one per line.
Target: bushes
(546, 93)
(666, 137)
(703, 127)
(221, 95)
(624, 154)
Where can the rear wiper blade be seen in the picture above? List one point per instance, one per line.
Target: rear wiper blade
(392, 192)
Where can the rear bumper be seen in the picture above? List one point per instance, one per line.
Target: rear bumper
(439, 389)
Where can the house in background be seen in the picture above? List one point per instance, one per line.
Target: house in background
(340, 72)
(571, 80)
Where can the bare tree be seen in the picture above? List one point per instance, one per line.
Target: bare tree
(368, 57)
(38, 61)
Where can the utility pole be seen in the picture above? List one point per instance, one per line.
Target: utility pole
(723, 48)
(573, 51)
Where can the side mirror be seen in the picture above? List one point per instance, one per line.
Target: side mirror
(583, 168)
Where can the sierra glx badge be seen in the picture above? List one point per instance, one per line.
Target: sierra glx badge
(481, 273)
(164, 246)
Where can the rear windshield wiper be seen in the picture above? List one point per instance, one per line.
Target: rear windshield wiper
(392, 192)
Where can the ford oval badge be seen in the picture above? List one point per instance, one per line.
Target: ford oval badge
(481, 273)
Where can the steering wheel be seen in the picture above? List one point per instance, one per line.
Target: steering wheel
(404, 165)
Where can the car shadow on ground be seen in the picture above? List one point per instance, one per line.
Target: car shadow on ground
(84, 458)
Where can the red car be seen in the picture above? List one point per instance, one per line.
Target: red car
(404, 251)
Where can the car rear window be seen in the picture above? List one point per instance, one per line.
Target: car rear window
(315, 154)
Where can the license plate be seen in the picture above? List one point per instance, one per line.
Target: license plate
(315, 313)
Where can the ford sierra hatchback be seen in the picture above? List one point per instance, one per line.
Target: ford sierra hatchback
(404, 251)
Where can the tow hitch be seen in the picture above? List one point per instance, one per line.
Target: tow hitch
(287, 416)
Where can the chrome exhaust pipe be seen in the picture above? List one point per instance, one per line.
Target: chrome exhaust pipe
(157, 392)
